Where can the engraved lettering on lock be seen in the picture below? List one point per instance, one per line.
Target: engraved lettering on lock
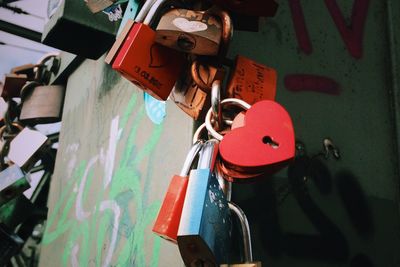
(147, 76)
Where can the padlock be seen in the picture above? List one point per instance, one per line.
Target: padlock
(73, 28)
(152, 67)
(13, 182)
(251, 81)
(167, 222)
(204, 229)
(246, 235)
(41, 103)
(190, 91)
(126, 25)
(264, 8)
(12, 85)
(195, 32)
(266, 142)
(10, 244)
(25, 148)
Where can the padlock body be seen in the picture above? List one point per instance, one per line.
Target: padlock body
(199, 31)
(169, 216)
(204, 230)
(43, 105)
(13, 84)
(265, 8)
(150, 66)
(251, 81)
(25, 147)
(189, 96)
(190, 99)
(12, 183)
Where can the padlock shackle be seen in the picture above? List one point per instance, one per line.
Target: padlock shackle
(193, 152)
(226, 102)
(216, 104)
(244, 224)
(227, 31)
(144, 11)
(153, 11)
(208, 155)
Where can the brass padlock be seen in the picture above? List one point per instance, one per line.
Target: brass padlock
(41, 103)
(13, 182)
(190, 92)
(25, 147)
(248, 251)
(195, 32)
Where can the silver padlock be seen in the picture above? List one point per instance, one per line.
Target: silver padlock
(244, 225)
(25, 147)
(41, 104)
(13, 182)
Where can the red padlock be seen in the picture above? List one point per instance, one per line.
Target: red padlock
(265, 143)
(152, 67)
(251, 81)
(169, 216)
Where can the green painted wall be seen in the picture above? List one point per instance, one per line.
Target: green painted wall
(113, 164)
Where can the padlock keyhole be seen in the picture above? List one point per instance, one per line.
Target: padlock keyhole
(268, 141)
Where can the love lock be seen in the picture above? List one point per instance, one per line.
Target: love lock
(204, 229)
(169, 216)
(41, 103)
(265, 143)
(195, 32)
(151, 66)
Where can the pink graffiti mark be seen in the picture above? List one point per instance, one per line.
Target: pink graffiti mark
(300, 28)
(309, 82)
(352, 35)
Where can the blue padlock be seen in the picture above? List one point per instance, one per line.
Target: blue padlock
(204, 229)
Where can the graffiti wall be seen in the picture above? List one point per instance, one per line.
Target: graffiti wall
(112, 168)
(334, 65)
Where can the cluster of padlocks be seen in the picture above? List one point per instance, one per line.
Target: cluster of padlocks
(24, 150)
(246, 134)
(178, 50)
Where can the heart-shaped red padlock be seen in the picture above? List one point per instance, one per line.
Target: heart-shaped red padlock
(265, 143)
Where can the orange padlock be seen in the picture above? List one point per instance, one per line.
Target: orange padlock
(251, 81)
(152, 67)
(169, 216)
